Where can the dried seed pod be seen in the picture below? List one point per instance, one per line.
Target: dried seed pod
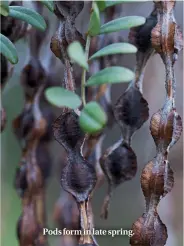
(66, 214)
(119, 164)
(27, 227)
(131, 111)
(142, 234)
(78, 176)
(141, 35)
(166, 127)
(66, 12)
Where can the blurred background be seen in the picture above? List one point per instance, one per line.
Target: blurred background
(128, 202)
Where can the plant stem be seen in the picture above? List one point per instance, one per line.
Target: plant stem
(83, 81)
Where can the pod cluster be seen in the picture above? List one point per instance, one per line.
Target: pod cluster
(131, 111)
(78, 175)
(166, 128)
(33, 130)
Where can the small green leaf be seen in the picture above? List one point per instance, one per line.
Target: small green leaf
(92, 118)
(76, 53)
(61, 97)
(8, 49)
(117, 48)
(112, 3)
(101, 4)
(4, 8)
(111, 75)
(49, 4)
(94, 24)
(122, 23)
(28, 15)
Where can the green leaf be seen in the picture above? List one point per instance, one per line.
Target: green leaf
(61, 97)
(111, 75)
(76, 53)
(94, 24)
(92, 118)
(117, 48)
(8, 49)
(28, 15)
(49, 4)
(112, 3)
(4, 8)
(122, 23)
(101, 4)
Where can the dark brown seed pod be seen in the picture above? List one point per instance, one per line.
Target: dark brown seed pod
(131, 111)
(141, 35)
(119, 164)
(67, 32)
(27, 226)
(157, 179)
(32, 76)
(166, 127)
(78, 176)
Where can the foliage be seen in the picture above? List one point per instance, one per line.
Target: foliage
(60, 97)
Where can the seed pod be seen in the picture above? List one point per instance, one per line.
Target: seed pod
(131, 111)
(165, 128)
(119, 164)
(145, 233)
(78, 176)
(141, 35)
(27, 228)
